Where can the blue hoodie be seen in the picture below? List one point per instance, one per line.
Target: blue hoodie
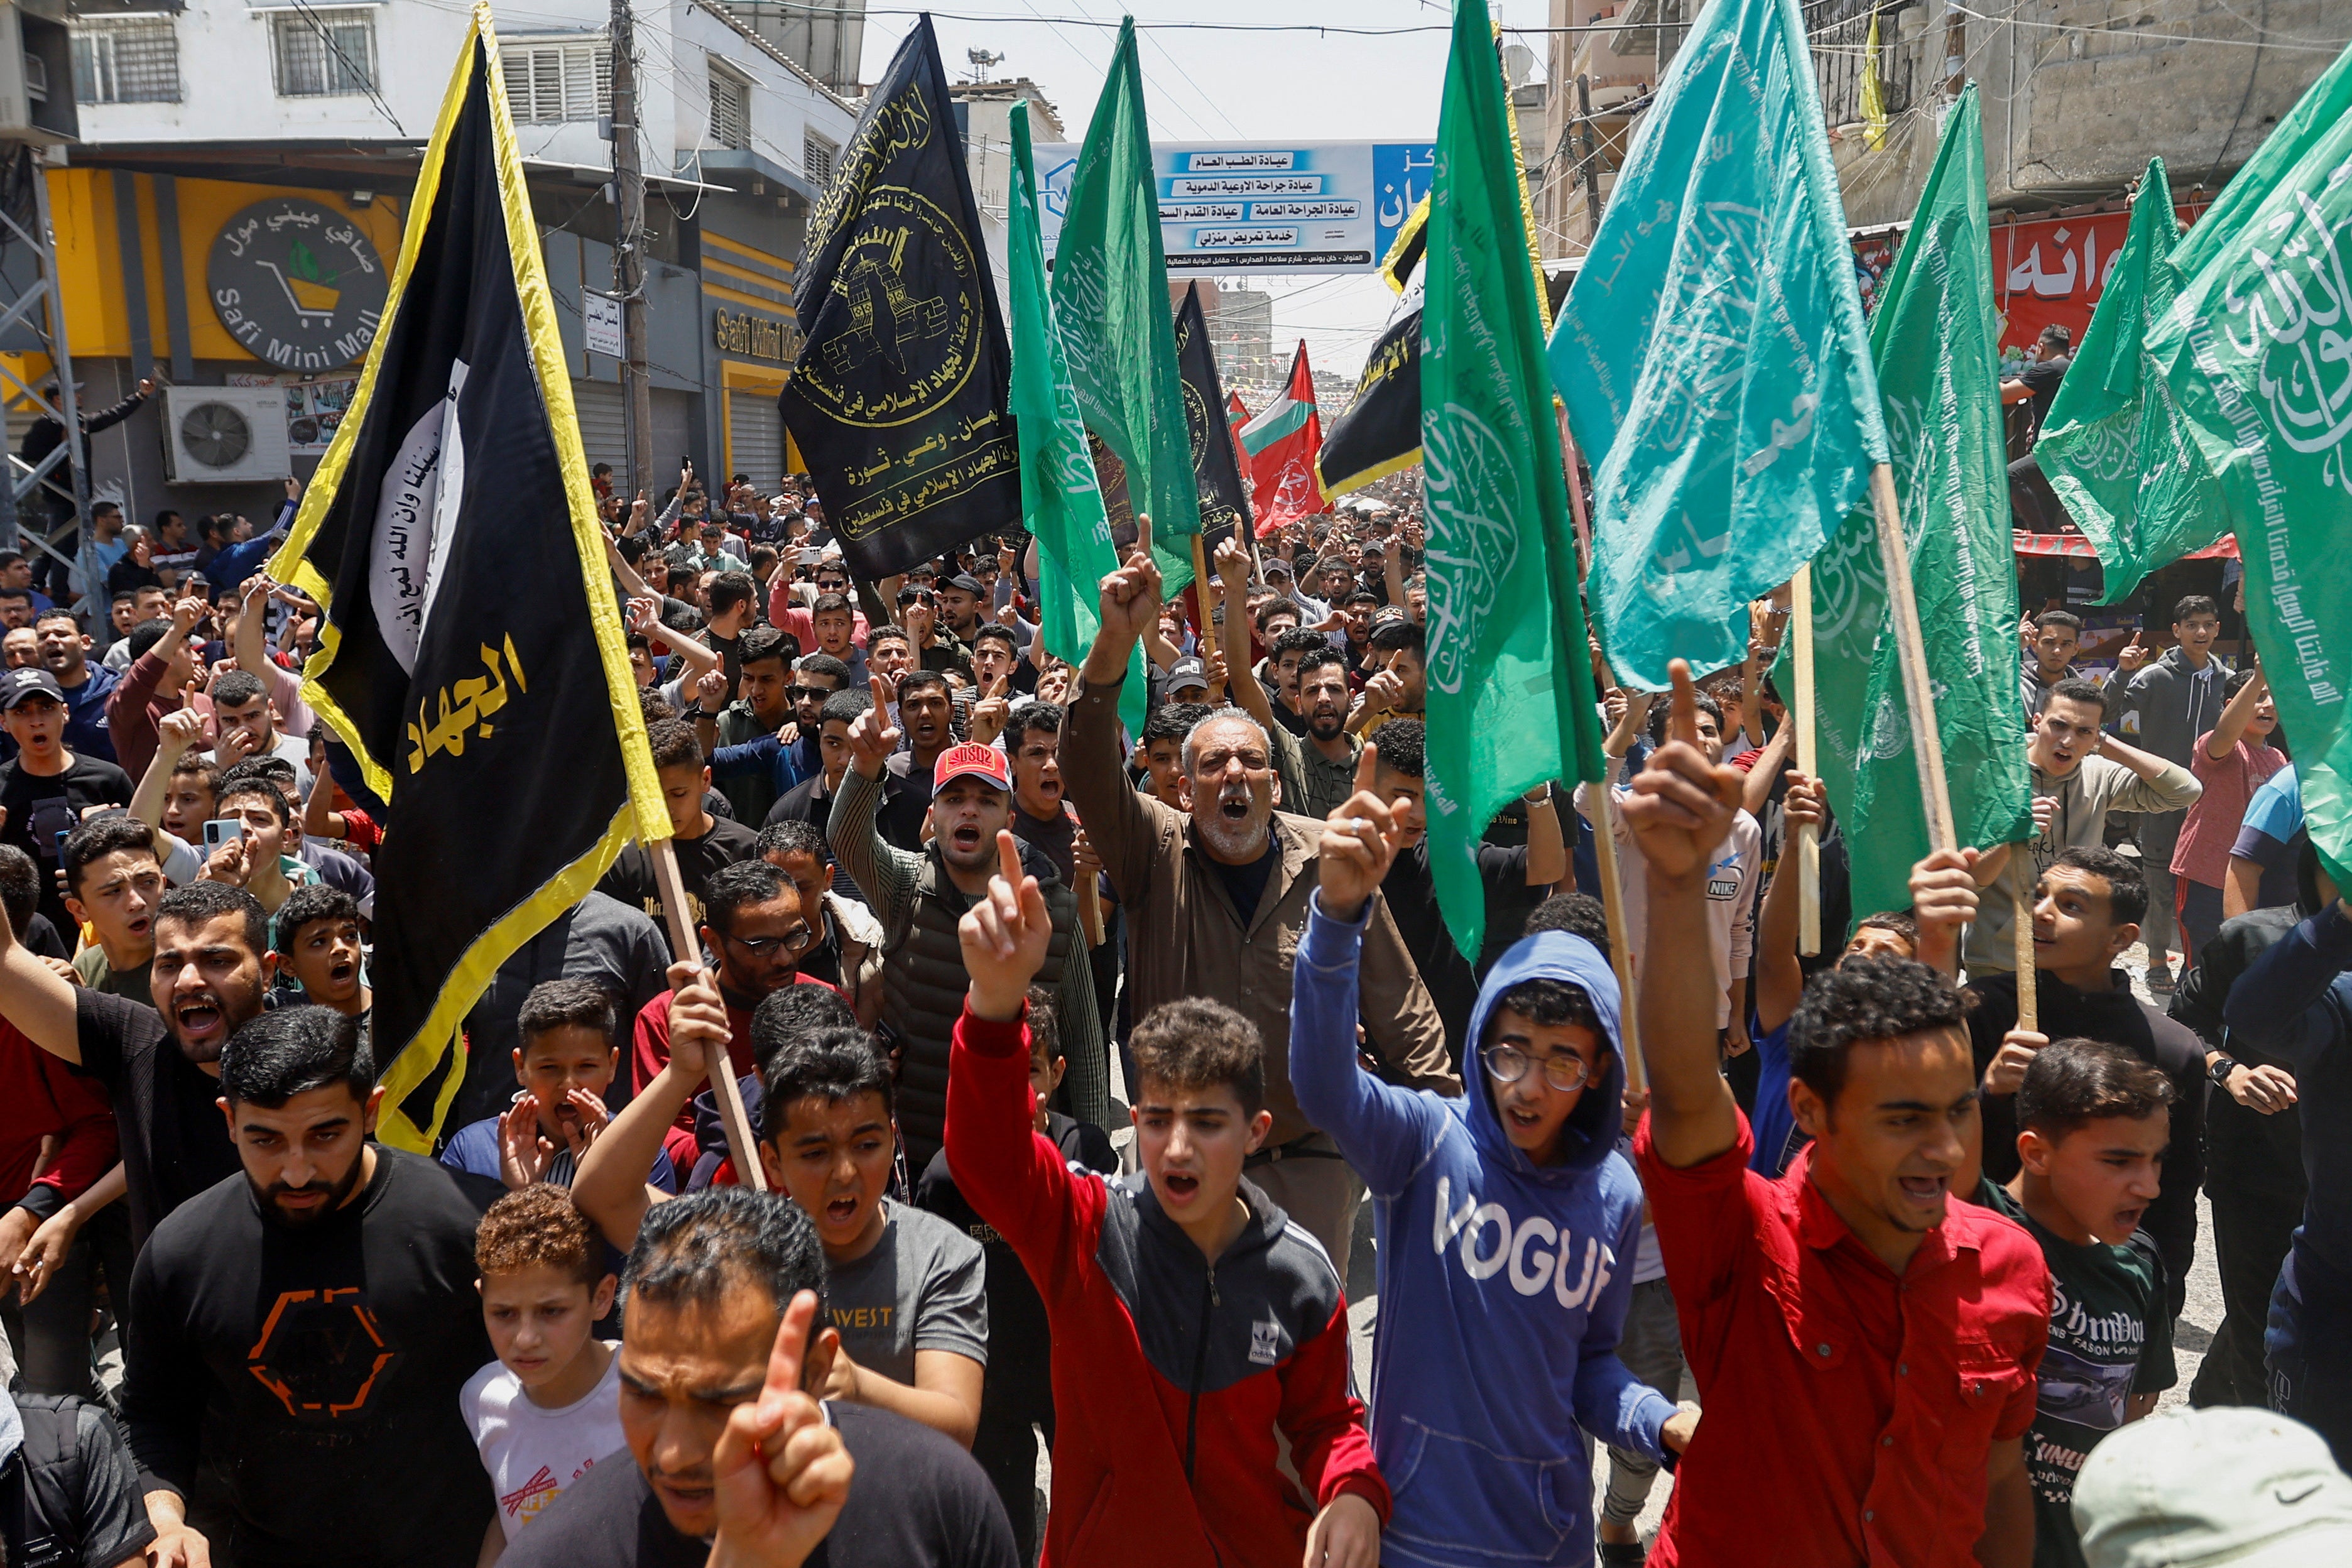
(1503, 1283)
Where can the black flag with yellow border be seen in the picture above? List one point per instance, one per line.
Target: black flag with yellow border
(471, 651)
(1381, 432)
(901, 403)
(1217, 467)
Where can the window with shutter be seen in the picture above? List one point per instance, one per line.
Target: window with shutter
(547, 83)
(817, 159)
(730, 112)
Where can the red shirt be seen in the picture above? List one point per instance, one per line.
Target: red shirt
(650, 1054)
(1849, 1413)
(44, 1097)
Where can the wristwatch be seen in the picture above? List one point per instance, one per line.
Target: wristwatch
(2219, 1071)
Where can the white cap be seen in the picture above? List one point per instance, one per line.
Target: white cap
(2233, 1486)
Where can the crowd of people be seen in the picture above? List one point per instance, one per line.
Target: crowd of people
(1071, 1049)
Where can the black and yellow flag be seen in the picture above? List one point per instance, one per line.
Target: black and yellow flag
(1380, 431)
(901, 402)
(1216, 465)
(471, 653)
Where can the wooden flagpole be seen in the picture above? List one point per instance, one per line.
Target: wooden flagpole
(2021, 874)
(1807, 842)
(1605, 833)
(1918, 691)
(739, 1145)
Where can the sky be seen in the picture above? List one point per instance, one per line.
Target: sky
(1202, 85)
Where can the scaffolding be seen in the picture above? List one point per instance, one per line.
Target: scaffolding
(53, 493)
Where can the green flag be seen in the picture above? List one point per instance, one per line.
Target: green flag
(1937, 353)
(1061, 506)
(1110, 295)
(2252, 353)
(1712, 355)
(2115, 448)
(2124, 412)
(1510, 683)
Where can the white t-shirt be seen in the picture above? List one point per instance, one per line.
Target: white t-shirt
(532, 1453)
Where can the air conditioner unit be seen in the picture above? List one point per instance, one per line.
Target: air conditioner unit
(225, 434)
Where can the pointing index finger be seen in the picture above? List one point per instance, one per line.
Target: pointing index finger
(1681, 722)
(881, 693)
(1143, 534)
(1366, 763)
(784, 1359)
(1008, 859)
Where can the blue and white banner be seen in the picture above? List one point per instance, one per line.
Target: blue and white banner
(1246, 207)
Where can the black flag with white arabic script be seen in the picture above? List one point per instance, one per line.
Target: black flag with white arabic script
(1216, 471)
(901, 402)
(471, 654)
(1381, 432)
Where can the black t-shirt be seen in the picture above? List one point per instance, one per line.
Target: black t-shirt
(40, 808)
(918, 1500)
(1452, 979)
(1245, 885)
(174, 1142)
(2042, 378)
(906, 801)
(1020, 1347)
(316, 1371)
(631, 880)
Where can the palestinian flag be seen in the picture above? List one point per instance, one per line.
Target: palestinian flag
(1282, 444)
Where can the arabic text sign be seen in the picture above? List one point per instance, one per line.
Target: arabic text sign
(1244, 207)
(2053, 271)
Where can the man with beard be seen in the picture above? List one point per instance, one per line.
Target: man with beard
(1317, 770)
(927, 717)
(65, 653)
(1217, 898)
(918, 899)
(304, 1328)
(161, 1064)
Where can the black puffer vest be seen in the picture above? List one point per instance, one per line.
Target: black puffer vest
(923, 983)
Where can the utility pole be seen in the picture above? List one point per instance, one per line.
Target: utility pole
(1589, 161)
(629, 254)
(1956, 51)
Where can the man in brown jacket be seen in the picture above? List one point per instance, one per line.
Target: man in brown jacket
(1216, 901)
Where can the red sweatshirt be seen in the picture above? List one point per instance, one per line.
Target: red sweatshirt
(1227, 1352)
(43, 1095)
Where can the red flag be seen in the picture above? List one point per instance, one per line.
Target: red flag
(1237, 414)
(1280, 446)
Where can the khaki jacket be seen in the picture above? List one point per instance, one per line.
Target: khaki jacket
(1184, 937)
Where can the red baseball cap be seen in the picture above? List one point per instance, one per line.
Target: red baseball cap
(974, 760)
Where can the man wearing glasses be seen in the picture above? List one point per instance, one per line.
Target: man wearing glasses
(1507, 1224)
(753, 928)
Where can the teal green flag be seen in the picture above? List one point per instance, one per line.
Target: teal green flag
(1510, 701)
(2254, 353)
(1712, 353)
(2114, 448)
(2117, 447)
(1937, 346)
(1110, 295)
(1061, 505)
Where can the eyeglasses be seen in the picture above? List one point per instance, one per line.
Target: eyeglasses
(793, 941)
(1508, 1063)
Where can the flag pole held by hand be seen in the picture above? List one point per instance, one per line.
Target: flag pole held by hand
(683, 942)
(1621, 940)
(2020, 876)
(1808, 838)
(1918, 692)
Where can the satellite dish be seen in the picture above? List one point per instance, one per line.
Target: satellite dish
(1520, 66)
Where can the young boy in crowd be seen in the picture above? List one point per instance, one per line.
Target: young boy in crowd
(1018, 1390)
(113, 883)
(1472, 1363)
(548, 1409)
(565, 1066)
(1182, 1292)
(318, 942)
(903, 1289)
(2093, 1123)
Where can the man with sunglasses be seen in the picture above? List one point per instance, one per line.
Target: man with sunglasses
(753, 924)
(1507, 1224)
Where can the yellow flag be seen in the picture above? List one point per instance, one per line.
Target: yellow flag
(1874, 96)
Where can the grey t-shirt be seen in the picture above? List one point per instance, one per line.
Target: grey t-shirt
(923, 1287)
